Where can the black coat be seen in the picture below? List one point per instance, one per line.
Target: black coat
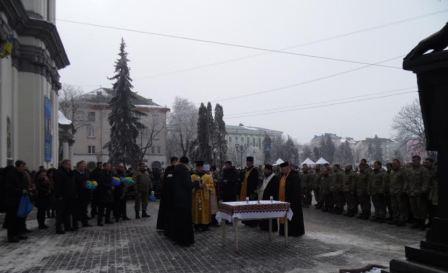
(165, 198)
(294, 197)
(43, 200)
(252, 183)
(84, 194)
(270, 190)
(103, 192)
(229, 184)
(64, 185)
(14, 185)
(181, 226)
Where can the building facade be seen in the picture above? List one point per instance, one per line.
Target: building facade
(93, 128)
(243, 141)
(29, 82)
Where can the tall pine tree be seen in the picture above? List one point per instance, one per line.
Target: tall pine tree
(220, 134)
(211, 133)
(124, 118)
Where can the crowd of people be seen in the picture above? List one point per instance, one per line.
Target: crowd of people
(64, 194)
(400, 194)
(189, 198)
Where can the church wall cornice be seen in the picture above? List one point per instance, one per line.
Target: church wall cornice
(20, 21)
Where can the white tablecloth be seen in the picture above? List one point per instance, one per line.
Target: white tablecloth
(253, 210)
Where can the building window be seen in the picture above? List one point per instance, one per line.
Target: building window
(152, 150)
(91, 116)
(91, 150)
(230, 139)
(8, 138)
(90, 131)
(158, 150)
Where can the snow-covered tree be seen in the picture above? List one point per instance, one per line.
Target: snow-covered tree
(220, 134)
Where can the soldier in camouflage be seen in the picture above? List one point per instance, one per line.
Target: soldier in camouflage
(399, 199)
(362, 187)
(417, 188)
(324, 182)
(434, 188)
(377, 191)
(349, 190)
(307, 185)
(387, 191)
(336, 189)
(316, 187)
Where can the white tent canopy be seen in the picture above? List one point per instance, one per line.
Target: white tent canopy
(308, 162)
(278, 162)
(62, 119)
(322, 161)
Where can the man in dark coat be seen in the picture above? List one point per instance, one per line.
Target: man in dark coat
(15, 186)
(120, 195)
(104, 197)
(95, 175)
(249, 185)
(165, 205)
(84, 195)
(181, 218)
(268, 189)
(66, 195)
(229, 182)
(290, 191)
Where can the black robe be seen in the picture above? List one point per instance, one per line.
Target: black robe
(270, 190)
(229, 184)
(294, 196)
(181, 224)
(165, 205)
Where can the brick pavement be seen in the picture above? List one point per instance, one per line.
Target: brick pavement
(332, 242)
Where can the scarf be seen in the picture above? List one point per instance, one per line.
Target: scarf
(264, 185)
(282, 192)
(243, 192)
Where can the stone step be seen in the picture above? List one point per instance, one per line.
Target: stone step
(403, 266)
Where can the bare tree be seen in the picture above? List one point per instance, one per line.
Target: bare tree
(69, 104)
(408, 124)
(154, 126)
(182, 127)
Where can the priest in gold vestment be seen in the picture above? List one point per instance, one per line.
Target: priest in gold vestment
(203, 189)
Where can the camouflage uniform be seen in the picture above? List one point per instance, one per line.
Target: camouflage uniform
(326, 197)
(433, 193)
(377, 190)
(399, 199)
(316, 189)
(417, 188)
(362, 192)
(349, 190)
(387, 196)
(307, 180)
(336, 191)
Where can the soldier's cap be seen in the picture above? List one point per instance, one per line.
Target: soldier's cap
(250, 158)
(268, 166)
(228, 162)
(199, 163)
(416, 157)
(284, 164)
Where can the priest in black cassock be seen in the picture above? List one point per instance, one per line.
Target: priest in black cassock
(268, 189)
(290, 191)
(165, 205)
(181, 231)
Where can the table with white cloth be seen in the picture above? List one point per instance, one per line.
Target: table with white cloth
(234, 212)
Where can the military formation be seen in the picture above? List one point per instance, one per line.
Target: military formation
(397, 194)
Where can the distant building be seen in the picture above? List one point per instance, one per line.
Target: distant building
(31, 53)
(245, 141)
(92, 137)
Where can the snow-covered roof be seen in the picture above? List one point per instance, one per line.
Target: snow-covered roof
(308, 162)
(62, 119)
(104, 95)
(322, 161)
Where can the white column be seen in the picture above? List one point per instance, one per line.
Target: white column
(65, 150)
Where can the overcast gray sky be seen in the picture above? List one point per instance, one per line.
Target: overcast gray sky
(163, 67)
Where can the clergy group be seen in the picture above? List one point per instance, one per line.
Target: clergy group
(190, 196)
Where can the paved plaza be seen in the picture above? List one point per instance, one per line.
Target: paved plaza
(331, 242)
